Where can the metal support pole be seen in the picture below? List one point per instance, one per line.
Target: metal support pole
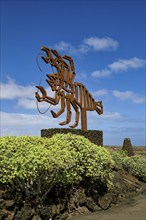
(83, 119)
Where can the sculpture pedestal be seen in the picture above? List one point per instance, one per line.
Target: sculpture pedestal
(95, 136)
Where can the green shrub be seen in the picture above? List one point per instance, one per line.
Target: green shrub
(35, 164)
(118, 157)
(90, 160)
(136, 165)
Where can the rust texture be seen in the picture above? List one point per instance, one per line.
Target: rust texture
(68, 92)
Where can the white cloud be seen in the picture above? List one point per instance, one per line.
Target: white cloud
(101, 73)
(124, 65)
(23, 95)
(112, 115)
(31, 124)
(18, 119)
(101, 44)
(32, 103)
(123, 96)
(83, 48)
(25, 124)
(101, 92)
(119, 66)
(129, 95)
(63, 46)
(26, 103)
(88, 44)
(81, 75)
(11, 90)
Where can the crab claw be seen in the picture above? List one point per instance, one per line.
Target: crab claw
(43, 91)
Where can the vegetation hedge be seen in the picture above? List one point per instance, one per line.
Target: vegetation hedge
(34, 165)
(136, 165)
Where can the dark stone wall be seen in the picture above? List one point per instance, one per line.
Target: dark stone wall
(94, 136)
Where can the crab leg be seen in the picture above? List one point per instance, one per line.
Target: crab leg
(55, 115)
(69, 113)
(74, 105)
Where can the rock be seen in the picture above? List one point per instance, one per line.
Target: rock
(56, 209)
(3, 214)
(10, 216)
(2, 204)
(26, 213)
(127, 146)
(18, 216)
(9, 204)
(2, 192)
(82, 210)
(36, 217)
(91, 205)
(81, 197)
(105, 201)
(1, 200)
(45, 213)
(63, 216)
(53, 210)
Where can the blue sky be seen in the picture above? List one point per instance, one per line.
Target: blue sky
(106, 40)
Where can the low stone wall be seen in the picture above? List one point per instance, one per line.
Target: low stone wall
(95, 136)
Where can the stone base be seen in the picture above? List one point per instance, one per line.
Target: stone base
(127, 146)
(94, 136)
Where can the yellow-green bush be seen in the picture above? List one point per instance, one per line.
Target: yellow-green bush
(36, 164)
(136, 165)
(118, 157)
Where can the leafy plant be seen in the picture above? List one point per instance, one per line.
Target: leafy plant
(118, 157)
(136, 165)
(90, 160)
(34, 165)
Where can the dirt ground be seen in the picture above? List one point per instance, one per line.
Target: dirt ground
(134, 209)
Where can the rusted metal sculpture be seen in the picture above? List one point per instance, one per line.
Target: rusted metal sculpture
(67, 91)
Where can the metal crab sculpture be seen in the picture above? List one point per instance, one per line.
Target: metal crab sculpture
(67, 91)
